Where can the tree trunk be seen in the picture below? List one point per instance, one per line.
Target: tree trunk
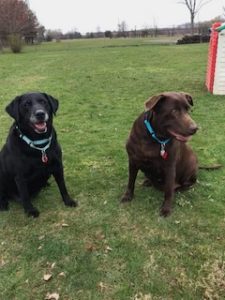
(192, 23)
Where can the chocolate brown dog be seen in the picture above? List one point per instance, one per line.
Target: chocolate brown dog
(157, 146)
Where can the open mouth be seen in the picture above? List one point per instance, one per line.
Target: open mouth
(180, 137)
(40, 127)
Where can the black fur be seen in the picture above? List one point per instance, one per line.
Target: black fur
(22, 171)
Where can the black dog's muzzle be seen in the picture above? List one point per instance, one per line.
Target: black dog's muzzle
(38, 120)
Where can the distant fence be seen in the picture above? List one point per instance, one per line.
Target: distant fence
(152, 32)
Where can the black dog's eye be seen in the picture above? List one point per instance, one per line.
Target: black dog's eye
(174, 111)
(27, 103)
(41, 101)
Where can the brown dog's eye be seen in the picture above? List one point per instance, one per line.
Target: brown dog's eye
(174, 111)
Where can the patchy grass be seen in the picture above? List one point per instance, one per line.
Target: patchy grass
(108, 250)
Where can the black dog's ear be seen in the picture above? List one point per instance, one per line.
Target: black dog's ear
(189, 98)
(153, 101)
(13, 108)
(54, 103)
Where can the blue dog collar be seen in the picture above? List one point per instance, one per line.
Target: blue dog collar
(162, 143)
(36, 143)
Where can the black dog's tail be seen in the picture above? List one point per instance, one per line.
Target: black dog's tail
(211, 167)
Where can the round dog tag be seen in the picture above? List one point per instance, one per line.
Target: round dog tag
(44, 158)
(164, 155)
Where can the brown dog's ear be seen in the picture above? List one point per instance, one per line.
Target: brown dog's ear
(13, 108)
(152, 101)
(189, 98)
(54, 103)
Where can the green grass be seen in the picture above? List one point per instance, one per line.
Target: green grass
(111, 251)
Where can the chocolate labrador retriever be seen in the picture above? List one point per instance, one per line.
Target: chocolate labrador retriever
(31, 153)
(157, 146)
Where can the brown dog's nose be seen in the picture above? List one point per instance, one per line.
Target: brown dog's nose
(193, 128)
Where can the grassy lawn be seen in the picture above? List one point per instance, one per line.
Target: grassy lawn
(102, 249)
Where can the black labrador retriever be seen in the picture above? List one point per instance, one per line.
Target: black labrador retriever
(157, 146)
(31, 153)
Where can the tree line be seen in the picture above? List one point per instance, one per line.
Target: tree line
(200, 28)
(17, 22)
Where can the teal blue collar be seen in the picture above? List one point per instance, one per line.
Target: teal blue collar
(162, 143)
(34, 144)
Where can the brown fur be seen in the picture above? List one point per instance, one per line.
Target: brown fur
(169, 117)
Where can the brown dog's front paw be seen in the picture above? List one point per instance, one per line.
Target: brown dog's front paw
(127, 197)
(147, 182)
(71, 203)
(165, 211)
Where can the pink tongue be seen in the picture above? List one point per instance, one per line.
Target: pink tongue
(40, 126)
(180, 137)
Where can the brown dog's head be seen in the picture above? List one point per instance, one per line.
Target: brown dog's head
(171, 114)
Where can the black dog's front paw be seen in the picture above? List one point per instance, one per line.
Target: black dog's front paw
(4, 205)
(70, 202)
(32, 212)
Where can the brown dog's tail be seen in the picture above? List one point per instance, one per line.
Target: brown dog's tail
(211, 167)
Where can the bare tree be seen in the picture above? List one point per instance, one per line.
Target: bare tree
(122, 29)
(17, 18)
(194, 6)
(155, 28)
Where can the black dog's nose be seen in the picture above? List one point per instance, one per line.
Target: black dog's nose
(40, 115)
(193, 128)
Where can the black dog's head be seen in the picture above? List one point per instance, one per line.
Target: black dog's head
(33, 111)
(171, 111)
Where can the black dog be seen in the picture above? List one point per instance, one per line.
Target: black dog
(31, 153)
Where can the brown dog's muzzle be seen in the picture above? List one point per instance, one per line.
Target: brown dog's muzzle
(183, 131)
(193, 128)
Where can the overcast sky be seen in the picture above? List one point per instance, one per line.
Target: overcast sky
(90, 15)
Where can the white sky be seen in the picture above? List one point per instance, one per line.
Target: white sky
(88, 15)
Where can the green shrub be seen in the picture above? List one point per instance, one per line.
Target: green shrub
(15, 42)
